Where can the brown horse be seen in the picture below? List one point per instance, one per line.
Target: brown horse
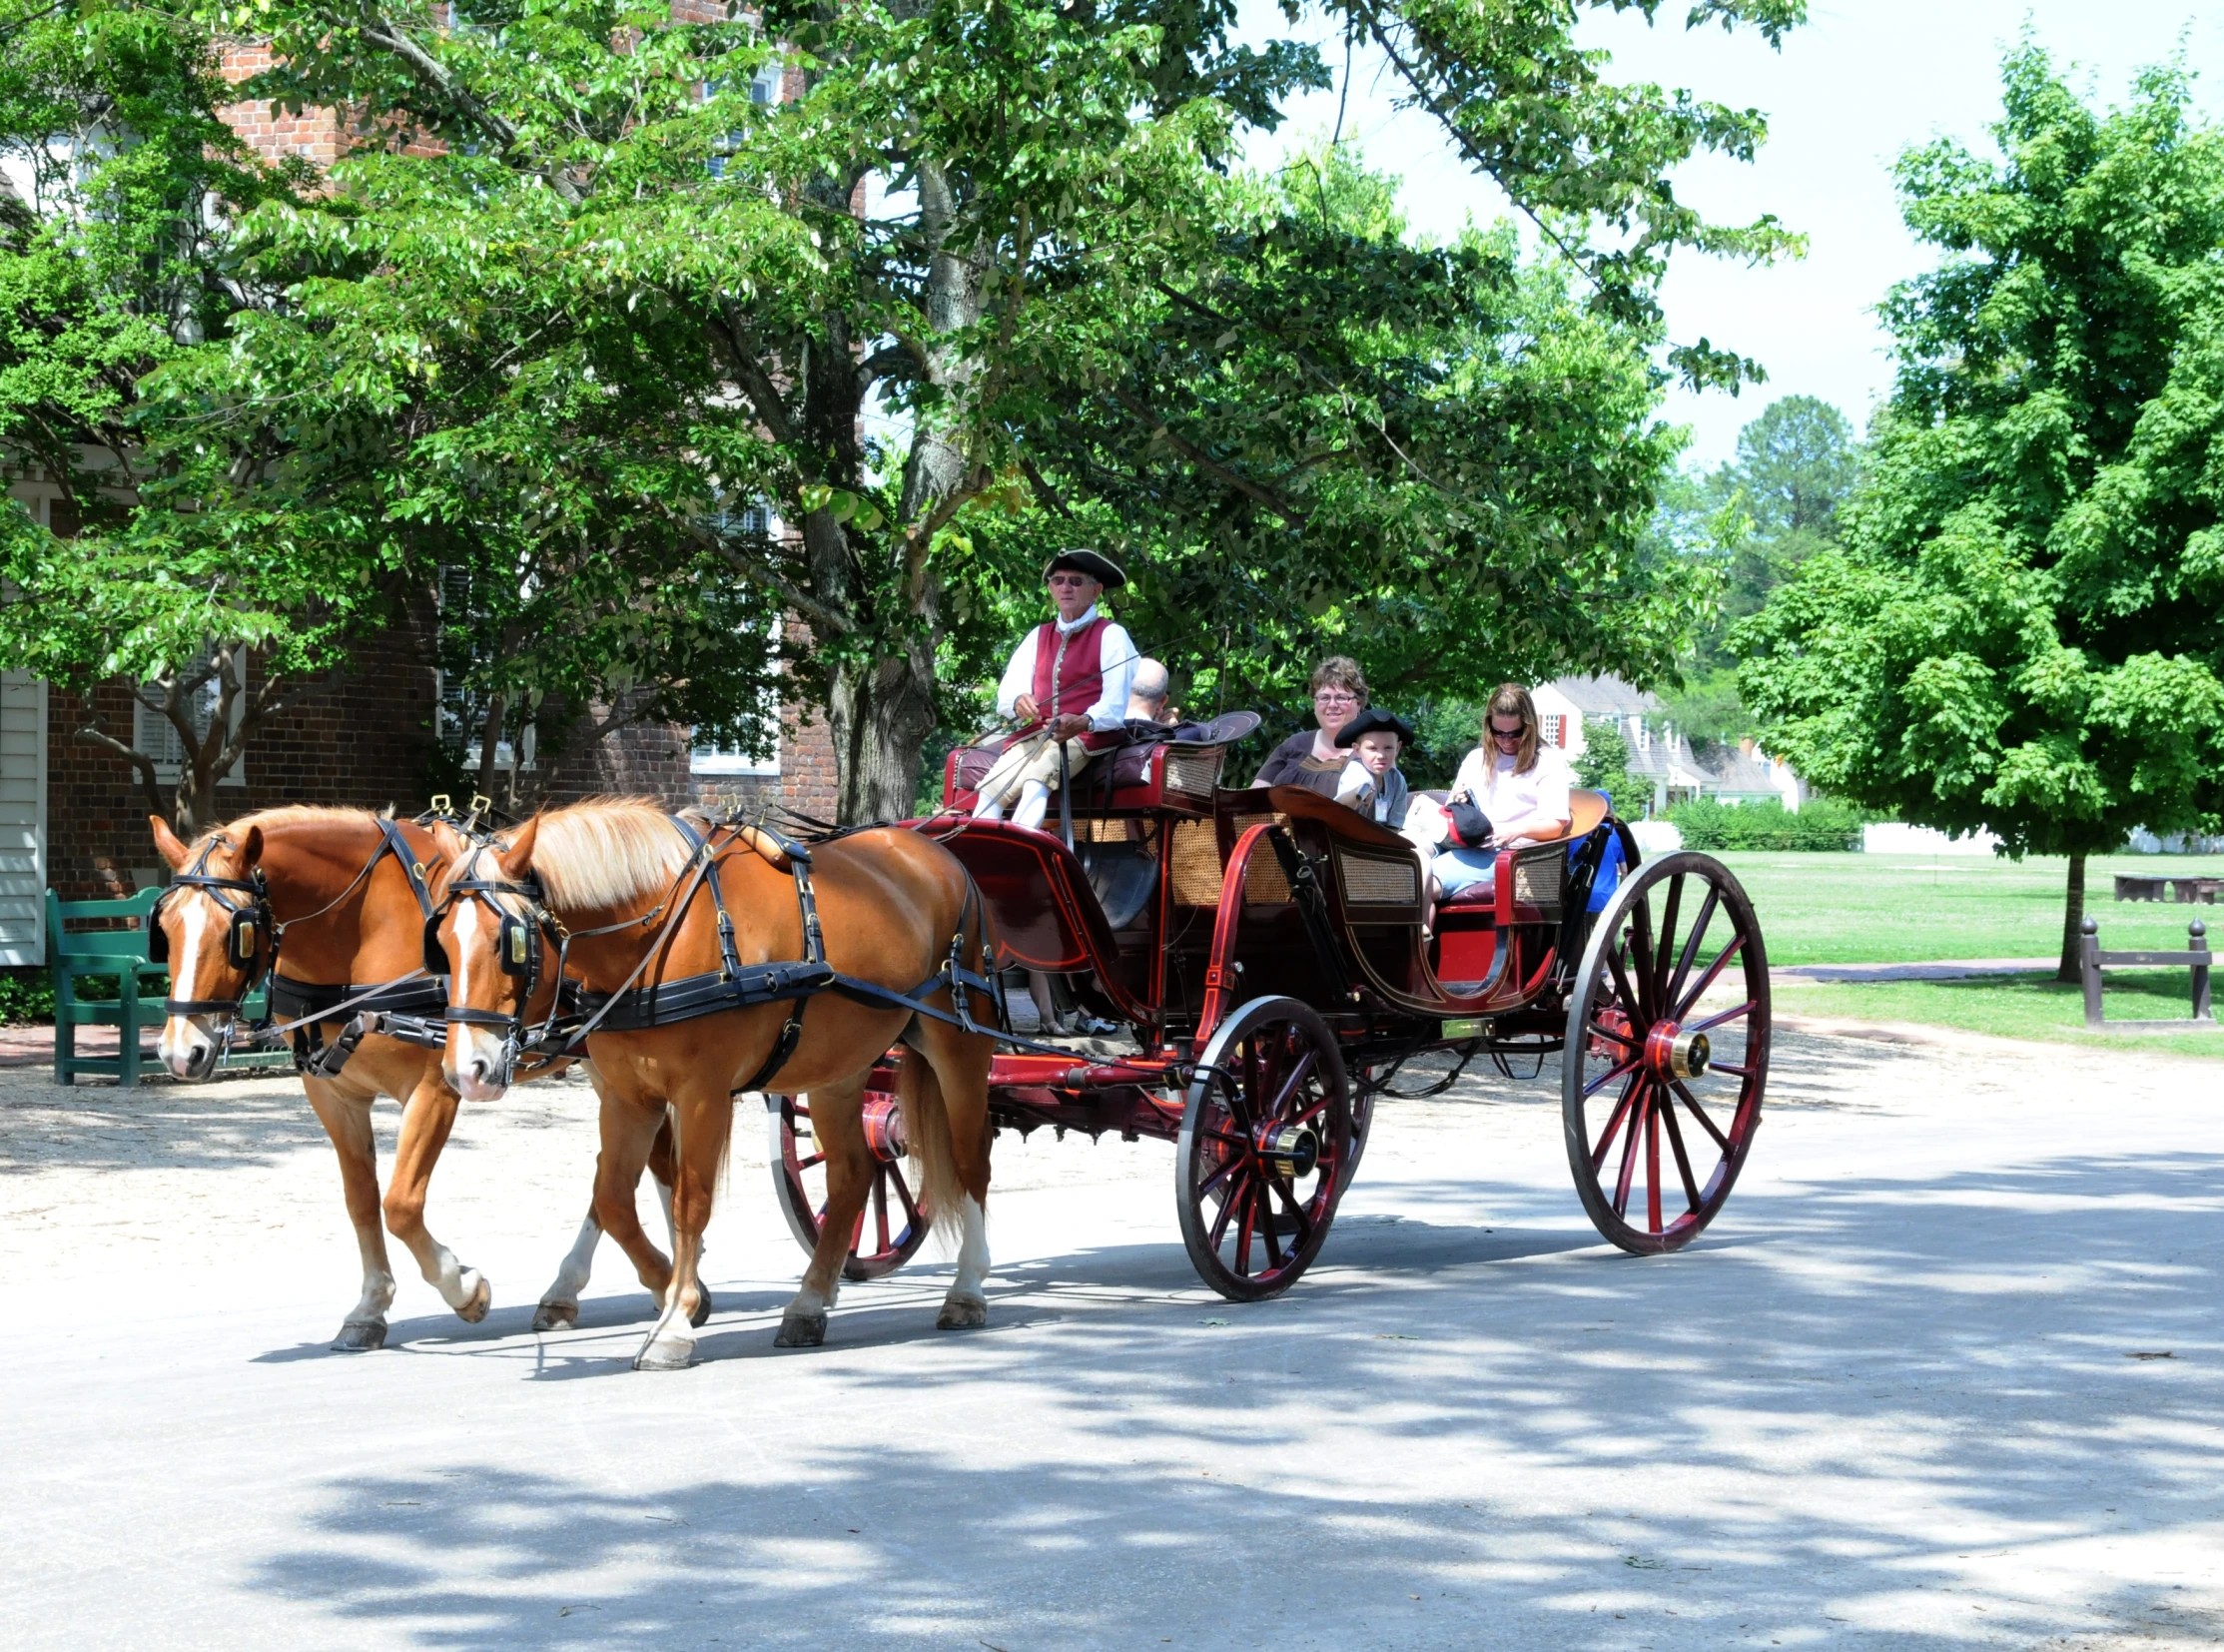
(346, 910)
(632, 891)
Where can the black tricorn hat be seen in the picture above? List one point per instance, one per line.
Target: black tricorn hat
(1374, 720)
(1094, 563)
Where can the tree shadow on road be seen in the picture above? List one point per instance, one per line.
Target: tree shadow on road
(1892, 1413)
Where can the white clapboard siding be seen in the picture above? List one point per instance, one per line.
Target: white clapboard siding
(22, 819)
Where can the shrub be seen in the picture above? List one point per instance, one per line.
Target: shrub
(26, 994)
(1825, 823)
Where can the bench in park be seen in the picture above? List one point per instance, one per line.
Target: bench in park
(97, 939)
(2141, 887)
(2091, 960)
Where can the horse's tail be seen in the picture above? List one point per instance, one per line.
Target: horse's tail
(927, 1140)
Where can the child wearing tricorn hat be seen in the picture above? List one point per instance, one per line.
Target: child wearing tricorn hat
(1067, 684)
(1371, 782)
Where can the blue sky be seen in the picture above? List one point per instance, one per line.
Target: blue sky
(1863, 81)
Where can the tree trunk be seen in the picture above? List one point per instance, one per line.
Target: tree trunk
(2073, 919)
(882, 715)
(490, 742)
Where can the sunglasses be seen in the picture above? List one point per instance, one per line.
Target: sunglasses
(1514, 733)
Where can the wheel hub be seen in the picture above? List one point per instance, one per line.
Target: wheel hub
(1290, 1151)
(884, 1129)
(1673, 1053)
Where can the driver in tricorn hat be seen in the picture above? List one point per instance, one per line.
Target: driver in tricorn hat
(1068, 683)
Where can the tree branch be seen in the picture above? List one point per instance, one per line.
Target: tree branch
(94, 734)
(437, 78)
(1197, 456)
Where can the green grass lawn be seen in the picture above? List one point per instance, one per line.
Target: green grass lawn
(2014, 1006)
(1909, 908)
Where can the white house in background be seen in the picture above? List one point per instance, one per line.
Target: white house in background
(1566, 706)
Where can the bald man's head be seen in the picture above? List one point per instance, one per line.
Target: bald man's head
(1146, 691)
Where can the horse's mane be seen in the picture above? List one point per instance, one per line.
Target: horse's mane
(606, 851)
(290, 814)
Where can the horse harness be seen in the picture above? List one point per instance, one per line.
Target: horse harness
(405, 1008)
(733, 986)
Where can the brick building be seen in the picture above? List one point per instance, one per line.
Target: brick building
(73, 815)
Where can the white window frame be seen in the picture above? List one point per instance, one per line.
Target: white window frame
(156, 736)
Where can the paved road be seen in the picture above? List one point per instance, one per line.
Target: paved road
(1887, 1402)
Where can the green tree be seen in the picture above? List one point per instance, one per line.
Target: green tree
(2022, 632)
(957, 301)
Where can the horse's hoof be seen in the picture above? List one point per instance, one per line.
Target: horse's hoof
(472, 1312)
(701, 1316)
(800, 1330)
(962, 1313)
(361, 1337)
(555, 1315)
(665, 1354)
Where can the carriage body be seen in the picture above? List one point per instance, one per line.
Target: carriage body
(1263, 950)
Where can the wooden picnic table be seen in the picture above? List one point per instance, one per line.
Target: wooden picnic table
(2141, 887)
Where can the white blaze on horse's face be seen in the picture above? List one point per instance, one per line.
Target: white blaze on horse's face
(188, 1047)
(474, 1054)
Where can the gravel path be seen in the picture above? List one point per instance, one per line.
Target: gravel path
(1887, 1401)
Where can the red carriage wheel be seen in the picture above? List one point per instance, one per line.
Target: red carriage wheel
(1265, 1141)
(1667, 1052)
(894, 1224)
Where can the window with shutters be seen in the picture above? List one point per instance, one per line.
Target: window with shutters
(463, 710)
(761, 755)
(1552, 729)
(155, 734)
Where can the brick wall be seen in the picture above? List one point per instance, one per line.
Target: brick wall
(361, 743)
(651, 760)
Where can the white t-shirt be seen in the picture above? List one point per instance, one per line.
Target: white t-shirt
(1507, 796)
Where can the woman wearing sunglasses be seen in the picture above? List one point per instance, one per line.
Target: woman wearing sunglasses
(1520, 785)
(1313, 759)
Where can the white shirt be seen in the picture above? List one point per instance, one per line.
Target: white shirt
(1115, 652)
(1507, 796)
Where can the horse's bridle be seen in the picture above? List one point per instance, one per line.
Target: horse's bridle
(243, 947)
(519, 942)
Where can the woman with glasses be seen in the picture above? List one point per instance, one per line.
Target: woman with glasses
(1520, 785)
(1313, 759)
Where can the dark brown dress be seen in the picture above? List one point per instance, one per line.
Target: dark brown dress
(1292, 763)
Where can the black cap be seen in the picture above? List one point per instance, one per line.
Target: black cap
(1374, 720)
(1096, 565)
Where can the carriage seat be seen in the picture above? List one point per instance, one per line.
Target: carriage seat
(1147, 771)
(1589, 809)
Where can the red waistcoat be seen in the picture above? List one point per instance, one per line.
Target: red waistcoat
(1070, 676)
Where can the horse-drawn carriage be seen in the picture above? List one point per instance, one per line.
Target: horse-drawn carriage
(1265, 952)
(1260, 952)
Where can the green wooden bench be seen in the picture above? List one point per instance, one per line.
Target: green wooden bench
(105, 950)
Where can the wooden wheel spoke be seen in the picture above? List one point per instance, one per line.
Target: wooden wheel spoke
(1715, 1020)
(1642, 957)
(1297, 1209)
(805, 1164)
(1725, 1067)
(1652, 1168)
(902, 1196)
(1691, 943)
(1623, 1182)
(1603, 1080)
(1269, 1228)
(1232, 1197)
(1614, 1123)
(1623, 1039)
(1248, 1226)
(1640, 1019)
(1668, 935)
(1321, 1106)
(1228, 1168)
(1289, 1085)
(1683, 1004)
(1699, 1113)
(880, 1207)
(1683, 1160)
